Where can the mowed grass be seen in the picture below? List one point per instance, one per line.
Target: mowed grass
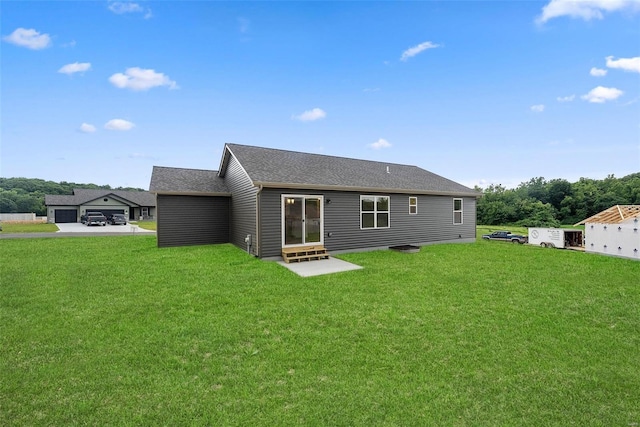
(147, 225)
(114, 331)
(28, 227)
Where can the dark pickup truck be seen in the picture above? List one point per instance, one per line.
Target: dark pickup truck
(506, 236)
(96, 220)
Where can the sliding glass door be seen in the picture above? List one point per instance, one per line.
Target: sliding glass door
(302, 220)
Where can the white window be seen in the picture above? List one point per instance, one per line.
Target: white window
(413, 205)
(457, 211)
(374, 211)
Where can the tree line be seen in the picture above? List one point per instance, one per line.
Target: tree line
(542, 203)
(23, 195)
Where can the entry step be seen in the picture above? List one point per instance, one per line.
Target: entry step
(304, 253)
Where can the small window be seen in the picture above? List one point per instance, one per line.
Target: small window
(374, 212)
(413, 205)
(457, 211)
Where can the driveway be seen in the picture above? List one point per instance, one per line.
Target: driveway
(76, 227)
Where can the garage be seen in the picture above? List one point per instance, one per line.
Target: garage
(192, 220)
(66, 215)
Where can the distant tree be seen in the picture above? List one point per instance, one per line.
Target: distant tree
(535, 188)
(558, 189)
(534, 213)
(7, 205)
(560, 202)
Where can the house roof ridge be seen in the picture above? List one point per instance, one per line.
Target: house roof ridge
(190, 169)
(274, 166)
(324, 155)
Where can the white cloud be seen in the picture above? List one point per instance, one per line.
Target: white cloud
(598, 72)
(381, 143)
(139, 79)
(76, 67)
(243, 25)
(87, 128)
(28, 38)
(122, 7)
(626, 64)
(566, 98)
(118, 124)
(413, 51)
(602, 94)
(311, 115)
(537, 108)
(585, 9)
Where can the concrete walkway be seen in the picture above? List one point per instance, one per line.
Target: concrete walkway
(76, 227)
(318, 267)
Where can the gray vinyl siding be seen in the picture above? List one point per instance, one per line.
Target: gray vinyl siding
(432, 224)
(243, 204)
(192, 220)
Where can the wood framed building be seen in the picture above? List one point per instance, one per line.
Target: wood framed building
(614, 231)
(266, 200)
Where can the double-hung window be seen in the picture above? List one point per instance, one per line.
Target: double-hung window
(457, 211)
(413, 205)
(374, 211)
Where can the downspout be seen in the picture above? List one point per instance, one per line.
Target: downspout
(257, 239)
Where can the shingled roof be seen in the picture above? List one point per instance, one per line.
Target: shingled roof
(83, 195)
(614, 215)
(166, 180)
(290, 169)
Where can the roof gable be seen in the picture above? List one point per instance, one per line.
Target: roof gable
(289, 169)
(614, 215)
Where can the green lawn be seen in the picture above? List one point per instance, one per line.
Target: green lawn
(25, 227)
(147, 225)
(114, 331)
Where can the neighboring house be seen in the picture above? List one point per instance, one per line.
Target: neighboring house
(69, 208)
(615, 231)
(264, 200)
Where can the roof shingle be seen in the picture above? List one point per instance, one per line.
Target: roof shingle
(179, 180)
(83, 195)
(282, 168)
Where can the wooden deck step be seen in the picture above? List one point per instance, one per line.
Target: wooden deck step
(304, 253)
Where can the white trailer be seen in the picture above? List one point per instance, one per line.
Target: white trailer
(564, 238)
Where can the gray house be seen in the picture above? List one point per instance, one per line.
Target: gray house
(266, 200)
(69, 208)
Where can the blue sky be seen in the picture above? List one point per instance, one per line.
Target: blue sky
(479, 92)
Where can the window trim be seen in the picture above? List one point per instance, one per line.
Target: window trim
(375, 211)
(460, 211)
(415, 205)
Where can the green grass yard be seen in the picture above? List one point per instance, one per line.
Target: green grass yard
(114, 331)
(28, 227)
(147, 225)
